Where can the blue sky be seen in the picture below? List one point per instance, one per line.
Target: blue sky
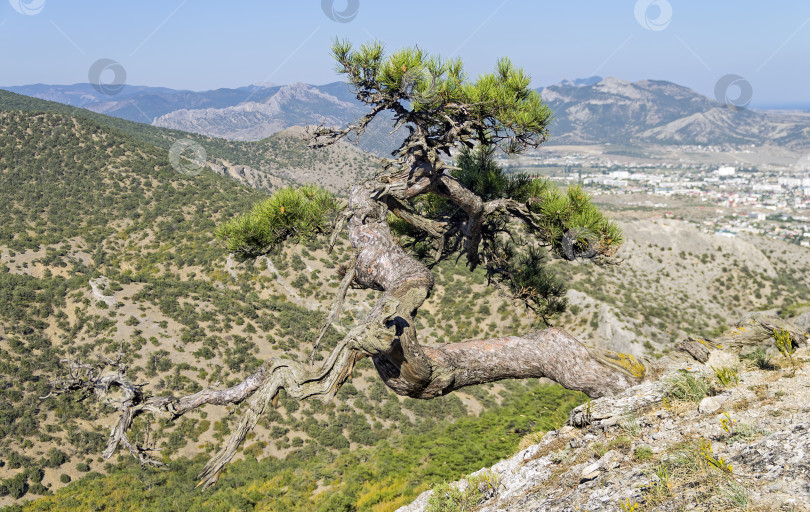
(206, 44)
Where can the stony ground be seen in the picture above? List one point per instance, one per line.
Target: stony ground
(745, 446)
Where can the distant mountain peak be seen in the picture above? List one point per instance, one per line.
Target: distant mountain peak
(303, 92)
(259, 117)
(619, 87)
(580, 82)
(661, 112)
(612, 81)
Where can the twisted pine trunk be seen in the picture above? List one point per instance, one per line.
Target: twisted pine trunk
(426, 372)
(389, 337)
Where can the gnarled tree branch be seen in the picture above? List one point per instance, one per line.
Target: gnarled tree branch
(499, 109)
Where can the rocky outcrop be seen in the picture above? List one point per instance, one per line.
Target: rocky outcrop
(748, 446)
(295, 104)
(97, 287)
(247, 175)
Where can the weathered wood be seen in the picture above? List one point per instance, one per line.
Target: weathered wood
(388, 335)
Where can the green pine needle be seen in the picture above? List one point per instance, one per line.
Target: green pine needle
(288, 214)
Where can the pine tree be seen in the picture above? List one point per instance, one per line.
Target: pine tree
(423, 208)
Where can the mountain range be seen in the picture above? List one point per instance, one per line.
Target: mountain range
(611, 110)
(105, 249)
(593, 110)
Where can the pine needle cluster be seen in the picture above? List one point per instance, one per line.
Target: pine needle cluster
(516, 249)
(506, 112)
(288, 214)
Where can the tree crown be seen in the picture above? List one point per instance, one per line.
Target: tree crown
(434, 96)
(437, 207)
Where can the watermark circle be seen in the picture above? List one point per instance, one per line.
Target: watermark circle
(29, 8)
(420, 85)
(190, 165)
(580, 243)
(653, 15)
(108, 87)
(725, 87)
(344, 16)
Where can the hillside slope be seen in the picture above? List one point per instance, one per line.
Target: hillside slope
(280, 159)
(675, 280)
(106, 250)
(666, 445)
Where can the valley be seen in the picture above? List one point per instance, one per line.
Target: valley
(107, 252)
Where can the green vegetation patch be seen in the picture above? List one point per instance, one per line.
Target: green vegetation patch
(379, 478)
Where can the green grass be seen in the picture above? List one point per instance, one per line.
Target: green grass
(727, 376)
(687, 387)
(643, 453)
(446, 498)
(760, 359)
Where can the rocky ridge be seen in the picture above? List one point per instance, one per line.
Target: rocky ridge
(663, 445)
(295, 104)
(587, 111)
(612, 110)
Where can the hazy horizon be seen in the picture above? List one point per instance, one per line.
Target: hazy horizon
(204, 46)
